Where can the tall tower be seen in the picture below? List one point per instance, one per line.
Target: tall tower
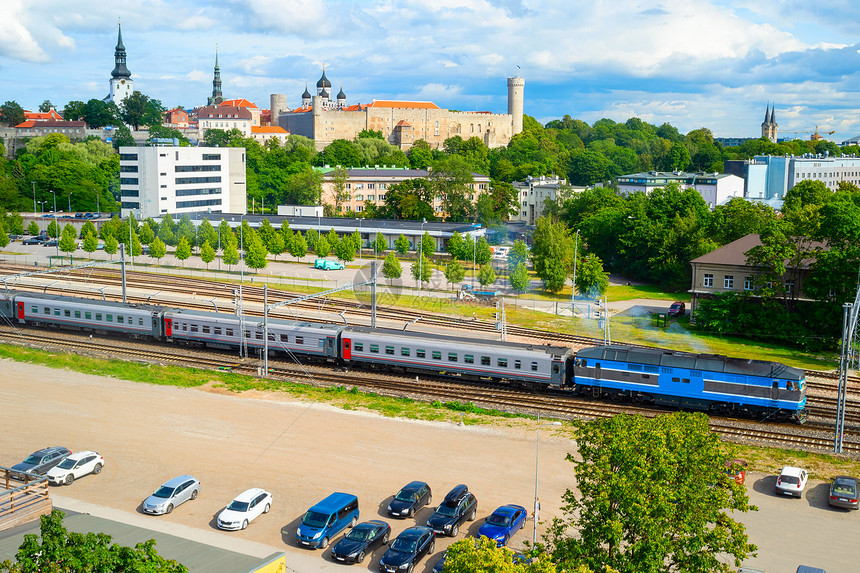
(277, 106)
(516, 86)
(216, 98)
(769, 125)
(121, 84)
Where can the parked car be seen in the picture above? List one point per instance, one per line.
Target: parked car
(791, 481)
(244, 509)
(35, 240)
(39, 462)
(326, 519)
(79, 215)
(144, 249)
(459, 505)
(808, 569)
(328, 265)
(51, 243)
(411, 497)
(362, 539)
(408, 549)
(737, 470)
(844, 492)
(677, 308)
(171, 494)
(503, 523)
(76, 466)
(14, 237)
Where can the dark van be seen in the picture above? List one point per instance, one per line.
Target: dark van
(326, 519)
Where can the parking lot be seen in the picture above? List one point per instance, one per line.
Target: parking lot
(302, 452)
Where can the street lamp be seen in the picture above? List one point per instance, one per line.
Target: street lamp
(57, 225)
(70, 201)
(359, 240)
(537, 460)
(573, 284)
(421, 257)
(34, 195)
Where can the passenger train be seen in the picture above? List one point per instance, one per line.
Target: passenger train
(706, 382)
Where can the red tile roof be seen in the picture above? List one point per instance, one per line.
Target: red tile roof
(404, 104)
(241, 102)
(269, 129)
(302, 109)
(51, 123)
(42, 116)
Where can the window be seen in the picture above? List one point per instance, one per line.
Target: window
(139, 321)
(469, 358)
(98, 316)
(68, 313)
(301, 340)
(247, 334)
(194, 328)
(88, 316)
(77, 314)
(485, 361)
(728, 281)
(228, 331)
(437, 355)
(120, 319)
(420, 353)
(358, 346)
(789, 286)
(110, 318)
(389, 350)
(374, 348)
(216, 330)
(748, 283)
(534, 366)
(205, 330)
(708, 280)
(502, 362)
(284, 338)
(271, 336)
(47, 310)
(452, 357)
(405, 351)
(34, 309)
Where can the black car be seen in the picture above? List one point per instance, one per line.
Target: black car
(79, 215)
(411, 497)
(51, 243)
(36, 240)
(38, 463)
(361, 540)
(459, 505)
(408, 549)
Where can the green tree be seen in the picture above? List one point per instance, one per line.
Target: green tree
(91, 242)
(122, 137)
(98, 113)
(88, 228)
(452, 181)
(454, 272)
(139, 109)
(483, 555)
(206, 232)
(33, 228)
(428, 244)
(322, 247)
(379, 244)
(552, 253)
(111, 245)
(230, 251)
(653, 496)
(340, 152)
(146, 234)
(58, 550)
(183, 250)
(338, 178)
(157, 249)
(298, 247)
(68, 240)
(401, 244)
(391, 268)
(411, 199)
(807, 192)
(482, 253)
(11, 114)
(207, 253)
(165, 233)
(54, 229)
(276, 244)
(520, 278)
(255, 253)
(422, 269)
(303, 187)
(15, 224)
(519, 253)
(345, 249)
(4, 237)
(487, 275)
(591, 280)
(455, 246)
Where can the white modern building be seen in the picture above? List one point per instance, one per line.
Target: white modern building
(535, 192)
(715, 188)
(178, 180)
(770, 177)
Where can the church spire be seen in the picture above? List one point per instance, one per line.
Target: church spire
(767, 112)
(773, 115)
(217, 97)
(119, 70)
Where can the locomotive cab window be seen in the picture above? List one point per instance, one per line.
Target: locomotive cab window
(283, 338)
(57, 312)
(47, 310)
(34, 309)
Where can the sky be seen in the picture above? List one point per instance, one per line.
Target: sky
(691, 63)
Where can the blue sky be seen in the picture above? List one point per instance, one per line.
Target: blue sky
(692, 63)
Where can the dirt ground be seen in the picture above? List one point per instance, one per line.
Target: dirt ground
(300, 452)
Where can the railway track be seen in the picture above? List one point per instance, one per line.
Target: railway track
(557, 404)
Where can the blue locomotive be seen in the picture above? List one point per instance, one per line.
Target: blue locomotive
(711, 383)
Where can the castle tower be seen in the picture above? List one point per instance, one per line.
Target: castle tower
(121, 84)
(217, 97)
(769, 125)
(277, 106)
(516, 86)
(323, 84)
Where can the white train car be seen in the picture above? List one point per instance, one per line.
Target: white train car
(88, 314)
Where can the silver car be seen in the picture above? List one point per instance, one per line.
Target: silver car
(171, 494)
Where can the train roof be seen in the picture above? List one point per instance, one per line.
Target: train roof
(256, 321)
(86, 301)
(461, 340)
(677, 359)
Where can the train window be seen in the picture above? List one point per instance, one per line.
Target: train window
(205, 329)
(676, 380)
(300, 339)
(358, 347)
(555, 368)
(518, 365)
(120, 318)
(216, 330)
(405, 351)
(534, 366)
(140, 321)
(502, 362)
(67, 312)
(389, 350)
(652, 369)
(284, 338)
(98, 316)
(437, 355)
(420, 353)
(635, 367)
(88, 315)
(374, 348)
(193, 328)
(258, 335)
(321, 343)
(685, 380)
(47, 310)
(77, 314)
(485, 360)
(228, 331)
(57, 312)
(247, 334)
(35, 309)
(110, 318)
(666, 370)
(469, 358)
(452, 357)
(271, 337)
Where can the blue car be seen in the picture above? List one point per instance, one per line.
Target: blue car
(503, 523)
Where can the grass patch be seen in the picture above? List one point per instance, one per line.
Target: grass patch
(820, 466)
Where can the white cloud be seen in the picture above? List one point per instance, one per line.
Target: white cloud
(436, 91)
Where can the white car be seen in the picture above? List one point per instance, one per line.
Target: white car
(76, 466)
(791, 481)
(242, 510)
